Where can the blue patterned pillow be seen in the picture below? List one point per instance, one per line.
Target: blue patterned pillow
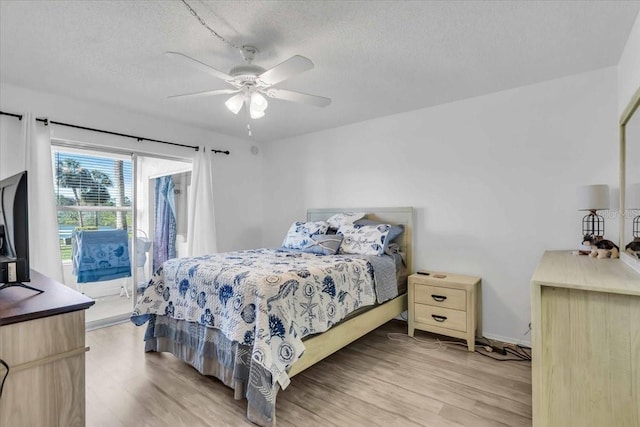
(299, 234)
(323, 244)
(344, 218)
(394, 231)
(364, 239)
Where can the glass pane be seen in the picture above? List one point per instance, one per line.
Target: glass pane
(95, 182)
(94, 191)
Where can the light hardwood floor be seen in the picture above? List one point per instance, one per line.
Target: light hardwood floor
(109, 306)
(374, 381)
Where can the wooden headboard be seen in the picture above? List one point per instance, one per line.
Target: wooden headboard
(402, 216)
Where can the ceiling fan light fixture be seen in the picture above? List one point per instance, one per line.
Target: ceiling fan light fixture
(256, 114)
(234, 104)
(251, 83)
(258, 102)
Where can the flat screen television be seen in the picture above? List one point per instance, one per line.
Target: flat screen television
(14, 232)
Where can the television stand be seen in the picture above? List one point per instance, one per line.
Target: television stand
(22, 285)
(42, 338)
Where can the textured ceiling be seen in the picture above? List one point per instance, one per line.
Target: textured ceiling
(373, 58)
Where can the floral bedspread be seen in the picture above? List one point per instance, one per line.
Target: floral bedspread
(267, 299)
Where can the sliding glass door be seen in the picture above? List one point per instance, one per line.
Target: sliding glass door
(163, 187)
(120, 215)
(94, 196)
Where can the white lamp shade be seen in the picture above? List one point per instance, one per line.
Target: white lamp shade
(258, 102)
(234, 104)
(258, 105)
(633, 196)
(593, 197)
(255, 114)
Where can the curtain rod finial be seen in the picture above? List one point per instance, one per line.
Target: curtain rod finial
(227, 152)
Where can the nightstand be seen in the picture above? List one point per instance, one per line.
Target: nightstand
(446, 304)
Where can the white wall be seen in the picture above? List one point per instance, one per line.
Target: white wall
(238, 197)
(492, 180)
(629, 67)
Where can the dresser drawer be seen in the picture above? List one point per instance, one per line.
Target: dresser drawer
(439, 296)
(440, 317)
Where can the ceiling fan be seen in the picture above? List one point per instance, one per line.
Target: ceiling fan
(250, 82)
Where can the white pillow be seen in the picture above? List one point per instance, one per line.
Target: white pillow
(363, 239)
(344, 218)
(299, 234)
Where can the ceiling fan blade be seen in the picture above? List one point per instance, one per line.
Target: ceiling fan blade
(304, 98)
(199, 65)
(289, 68)
(205, 93)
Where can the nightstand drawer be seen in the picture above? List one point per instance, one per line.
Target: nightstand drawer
(439, 296)
(441, 317)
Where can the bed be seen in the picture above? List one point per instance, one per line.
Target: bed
(254, 319)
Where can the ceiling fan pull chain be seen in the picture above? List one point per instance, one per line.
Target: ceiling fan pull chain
(211, 30)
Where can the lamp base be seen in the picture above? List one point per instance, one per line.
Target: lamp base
(593, 225)
(584, 249)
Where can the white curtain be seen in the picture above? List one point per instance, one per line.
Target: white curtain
(201, 234)
(44, 248)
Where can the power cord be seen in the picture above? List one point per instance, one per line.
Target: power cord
(519, 352)
(501, 359)
(3, 363)
(516, 350)
(522, 351)
(513, 349)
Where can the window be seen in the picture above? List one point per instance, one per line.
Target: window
(93, 191)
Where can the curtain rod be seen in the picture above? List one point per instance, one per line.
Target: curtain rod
(46, 122)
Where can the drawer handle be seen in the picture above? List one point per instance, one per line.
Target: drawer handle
(438, 298)
(438, 318)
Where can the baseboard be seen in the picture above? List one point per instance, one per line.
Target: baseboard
(109, 321)
(526, 343)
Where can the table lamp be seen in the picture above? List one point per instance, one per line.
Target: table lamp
(593, 198)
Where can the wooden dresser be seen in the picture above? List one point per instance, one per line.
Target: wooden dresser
(42, 341)
(586, 342)
(446, 304)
